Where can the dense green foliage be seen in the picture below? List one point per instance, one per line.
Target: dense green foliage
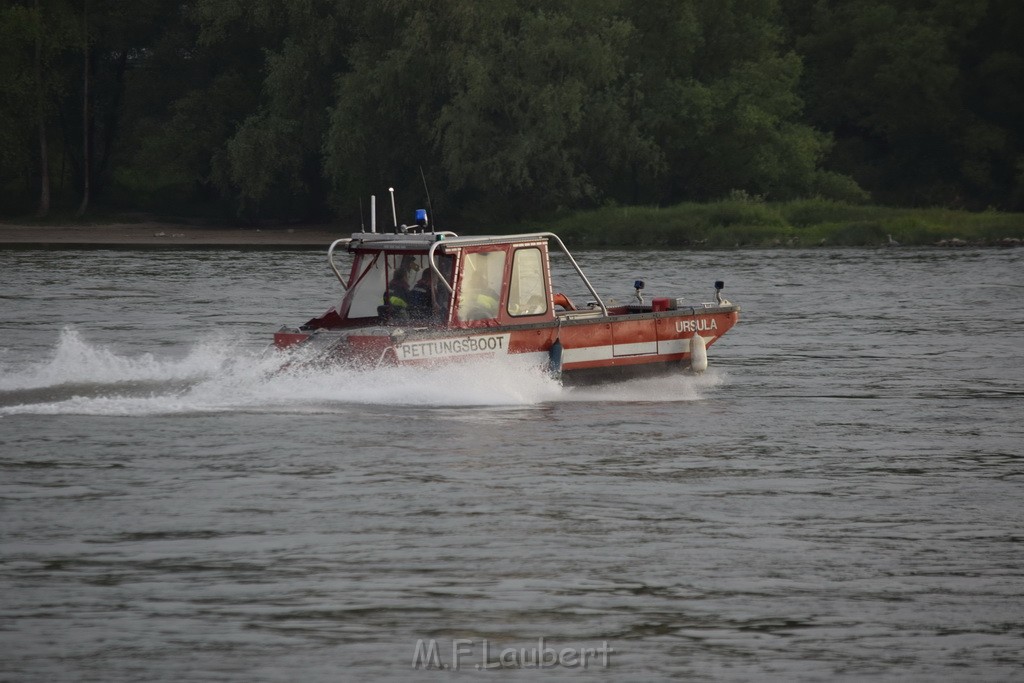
(294, 110)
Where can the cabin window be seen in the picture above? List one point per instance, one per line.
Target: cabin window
(527, 294)
(481, 284)
(368, 289)
(399, 286)
(428, 299)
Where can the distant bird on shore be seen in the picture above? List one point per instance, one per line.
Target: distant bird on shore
(892, 242)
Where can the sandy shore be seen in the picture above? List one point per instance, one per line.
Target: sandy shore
(166, 234)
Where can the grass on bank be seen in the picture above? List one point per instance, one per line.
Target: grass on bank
(735, 223)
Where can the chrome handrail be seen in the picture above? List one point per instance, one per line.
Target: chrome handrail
(330, 260)
(433, 266)
(579, 271)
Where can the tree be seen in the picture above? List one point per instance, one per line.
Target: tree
(387, 99)
(922, 97)
(187, 91)
(21, 57)
(44, 155)
(86, 113)
(721, 101)
(275, 154)
(241, 117)
(535, 112)
(513, 107)
(991, 147)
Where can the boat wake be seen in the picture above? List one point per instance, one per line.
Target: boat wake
(80, 378)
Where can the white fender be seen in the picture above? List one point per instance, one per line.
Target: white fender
(698, 354)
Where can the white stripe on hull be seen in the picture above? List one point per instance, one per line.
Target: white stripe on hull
(588, 354)
(498, 345)
(670, 346)
(647, 348)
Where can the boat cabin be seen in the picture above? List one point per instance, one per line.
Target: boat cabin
(443, 280)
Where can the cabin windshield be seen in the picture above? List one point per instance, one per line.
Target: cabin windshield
(481, 284)
(398, 287)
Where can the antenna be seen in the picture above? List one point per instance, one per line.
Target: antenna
(394, 214)
(430, 207)
(373, 213)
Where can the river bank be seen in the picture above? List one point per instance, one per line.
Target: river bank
(738, 222)
(161, 234)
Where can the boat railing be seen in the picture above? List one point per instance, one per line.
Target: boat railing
(330, 259)
(579, 271)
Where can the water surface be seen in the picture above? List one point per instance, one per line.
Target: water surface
(838, 497)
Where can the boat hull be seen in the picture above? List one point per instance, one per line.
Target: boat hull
(594, 347)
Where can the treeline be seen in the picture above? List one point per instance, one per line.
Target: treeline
(510, 109)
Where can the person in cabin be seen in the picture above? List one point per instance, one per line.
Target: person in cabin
(396, 296)
(421, 298)
(479, 300)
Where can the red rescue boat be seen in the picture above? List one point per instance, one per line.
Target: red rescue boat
(417, 297)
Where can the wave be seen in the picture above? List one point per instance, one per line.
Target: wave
(215, 376)
(75, 361)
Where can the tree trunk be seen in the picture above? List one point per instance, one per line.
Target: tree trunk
(44, 172)
(44, 155)
(104, 143)
(86, 160)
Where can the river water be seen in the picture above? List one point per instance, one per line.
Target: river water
(837, 498)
